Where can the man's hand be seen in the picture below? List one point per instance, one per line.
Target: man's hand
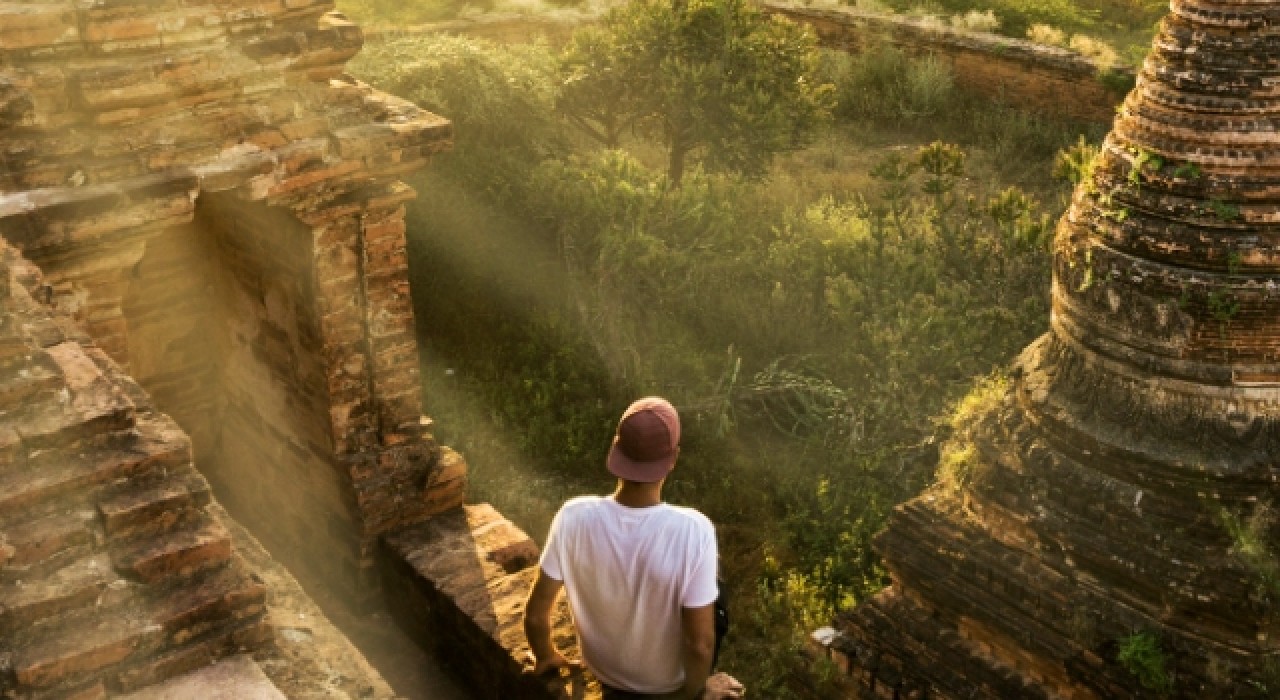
(722, 685)
(555, 662)
(537, 627)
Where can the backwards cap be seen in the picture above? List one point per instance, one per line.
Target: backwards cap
(646, 442)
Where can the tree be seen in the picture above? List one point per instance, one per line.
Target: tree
(594, 95)
(714, 79)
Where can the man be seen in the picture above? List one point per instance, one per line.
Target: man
(640, 575)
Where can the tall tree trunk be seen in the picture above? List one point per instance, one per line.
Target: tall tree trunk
(675, 160)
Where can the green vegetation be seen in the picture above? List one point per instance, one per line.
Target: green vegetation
(1076, 164)
(958, 459)
(885, 83)
(1250, 537)
(1140, 654)
(1224, 211)
(715, 79)
(1187, 171)
(1127, 23)
(1143, 161)
(814, 324)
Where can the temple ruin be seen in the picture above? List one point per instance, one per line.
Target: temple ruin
(1118, 496)
(204, 236)
(204, 300)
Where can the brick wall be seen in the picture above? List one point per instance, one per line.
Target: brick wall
(1044, 79)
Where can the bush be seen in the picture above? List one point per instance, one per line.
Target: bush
(1045, 34)
(884, 83)
(1140, 654)
(397, 13)
(1100, 52)
(875, 7)
(501, 100)
(975, 21)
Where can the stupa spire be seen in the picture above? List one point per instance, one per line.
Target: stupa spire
(1104, 528)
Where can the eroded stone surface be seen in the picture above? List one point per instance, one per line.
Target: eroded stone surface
(215, 210)
(470, 572)
(233, 678)
(1104, 495)
(216, 203)
(113, 564)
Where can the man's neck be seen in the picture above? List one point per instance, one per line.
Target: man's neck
(637, 495)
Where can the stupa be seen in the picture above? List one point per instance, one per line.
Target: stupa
(1103, 527)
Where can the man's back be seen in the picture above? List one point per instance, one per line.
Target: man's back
(641, 574)
(628, 572)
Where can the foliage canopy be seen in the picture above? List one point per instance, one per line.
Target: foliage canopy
(714, 79)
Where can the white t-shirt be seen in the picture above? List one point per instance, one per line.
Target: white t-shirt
(627, 572)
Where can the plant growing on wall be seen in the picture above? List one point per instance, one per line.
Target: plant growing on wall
(1224, 211)
(1250, 534)
(716, 80)
(1140, 654)
(1077, 163)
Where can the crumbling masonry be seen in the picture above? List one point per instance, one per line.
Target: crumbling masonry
(1119, 493)
(194, 196)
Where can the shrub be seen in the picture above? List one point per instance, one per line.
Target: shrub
(875, 7)
(1096, 50)
(1250, 536)
(884, 83)
(395, 12)
(1140, 654)
(501, 100)
(1048, 35)
(928, 10)
(1076, 164)
(975, 21)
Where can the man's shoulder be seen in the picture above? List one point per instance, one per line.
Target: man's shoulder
(582, 502)
(580, 506)
(690, 517)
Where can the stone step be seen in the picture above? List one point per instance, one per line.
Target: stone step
(81, 643)
(138, 639)
(12, 453)
(46, 543)
(28, 490)
(152, 507)
(222, 599)
(198, 546)
(236, 677)
(81, 583)
(22, 382)
(59, 472)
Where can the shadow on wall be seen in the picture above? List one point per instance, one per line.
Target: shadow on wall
(223, 332)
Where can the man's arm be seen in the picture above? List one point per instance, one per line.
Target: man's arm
(537, 625)
(698, 626)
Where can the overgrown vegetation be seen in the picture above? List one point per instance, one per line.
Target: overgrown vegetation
(1250, 544)
(1140, 654)
(716, 80)
(1126, 24)
(814, 325)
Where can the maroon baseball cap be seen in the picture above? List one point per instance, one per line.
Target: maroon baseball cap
(647, 441)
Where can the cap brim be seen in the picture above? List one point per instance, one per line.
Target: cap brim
(624, 467)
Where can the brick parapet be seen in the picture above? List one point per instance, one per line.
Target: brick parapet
(1036, 77)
